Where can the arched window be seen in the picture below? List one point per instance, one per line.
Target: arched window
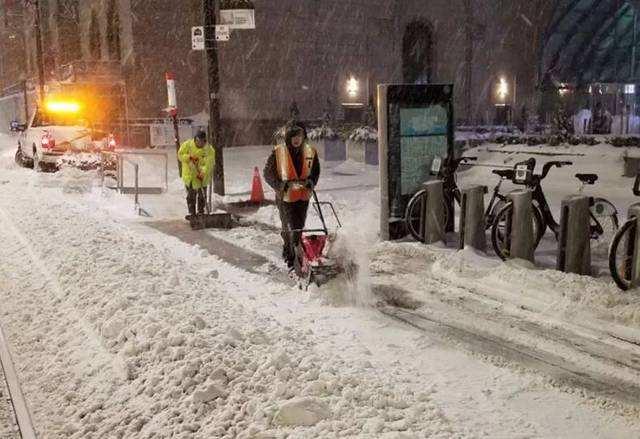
(94, 37)
(417, 53)
(68, 19)
(113, 31)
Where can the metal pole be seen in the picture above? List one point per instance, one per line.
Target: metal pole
(472, 222)
(633, 48)
(166, 173)
(176, 135)
(26, 102)
(135, 167)
(574, 248)
(209, 11)
(521, 234)
(126, 113)
(39, 55)
(433, 213)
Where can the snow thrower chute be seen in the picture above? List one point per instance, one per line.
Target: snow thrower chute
(311, 263)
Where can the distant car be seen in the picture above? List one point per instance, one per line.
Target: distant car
(55, 131)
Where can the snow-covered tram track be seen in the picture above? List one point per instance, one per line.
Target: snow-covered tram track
(567, 354)
(559, 370)
(15, 418)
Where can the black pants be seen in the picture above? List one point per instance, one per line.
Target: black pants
(196, 200)
(293, 217)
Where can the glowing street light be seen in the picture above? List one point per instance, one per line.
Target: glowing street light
(503, 89)
(352, 86)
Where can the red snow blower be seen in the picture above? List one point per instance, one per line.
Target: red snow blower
(311, 263)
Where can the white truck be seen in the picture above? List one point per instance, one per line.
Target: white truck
(56, 130)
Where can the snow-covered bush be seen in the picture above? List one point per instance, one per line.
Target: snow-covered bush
(323, 132)
(364, 134)
(236, 4)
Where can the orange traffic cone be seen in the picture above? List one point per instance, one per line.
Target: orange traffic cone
(257, 194)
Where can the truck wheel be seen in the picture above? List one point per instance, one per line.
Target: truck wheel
(19, 158)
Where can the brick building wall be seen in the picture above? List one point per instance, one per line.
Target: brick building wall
(305, 50)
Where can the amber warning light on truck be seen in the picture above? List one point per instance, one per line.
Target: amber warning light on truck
(62, 107)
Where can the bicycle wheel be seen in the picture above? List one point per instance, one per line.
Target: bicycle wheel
(413, 215)
(621, 254)
(498, 229)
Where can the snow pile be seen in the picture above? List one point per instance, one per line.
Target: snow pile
(75, 180)
(551, 292)
(266, 215)
(125, 339)
(349, 167)
(7, 155)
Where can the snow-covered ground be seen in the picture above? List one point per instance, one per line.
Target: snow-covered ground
(119, 330)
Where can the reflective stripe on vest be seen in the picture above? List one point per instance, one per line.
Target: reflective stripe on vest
(287, 172)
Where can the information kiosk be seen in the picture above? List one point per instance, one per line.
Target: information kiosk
(415, 125)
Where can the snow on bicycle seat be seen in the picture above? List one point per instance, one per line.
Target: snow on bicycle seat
(587, 178)
(504, 173)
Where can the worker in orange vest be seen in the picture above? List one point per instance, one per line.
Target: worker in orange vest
(292, 170)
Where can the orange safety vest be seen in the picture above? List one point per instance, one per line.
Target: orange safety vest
(287, 172)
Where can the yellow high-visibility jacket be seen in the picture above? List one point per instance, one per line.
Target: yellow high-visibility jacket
(196, 161)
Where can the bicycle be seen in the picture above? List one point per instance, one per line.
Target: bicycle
(600, 209)
(623, 246)
(446, 172)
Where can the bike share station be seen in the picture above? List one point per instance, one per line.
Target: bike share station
(418, 162)
(415, 129)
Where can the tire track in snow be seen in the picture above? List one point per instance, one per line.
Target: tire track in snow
(473, 340)
(494, 344)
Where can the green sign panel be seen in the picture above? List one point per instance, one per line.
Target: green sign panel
(419, 126)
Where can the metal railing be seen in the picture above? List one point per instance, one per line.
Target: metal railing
(109, 159)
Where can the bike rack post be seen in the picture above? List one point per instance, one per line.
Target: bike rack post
(472, 222)
(519, 233)
(634, 212)
(574, 242)
(432, 216)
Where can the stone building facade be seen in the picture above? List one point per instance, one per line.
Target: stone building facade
(305, 51)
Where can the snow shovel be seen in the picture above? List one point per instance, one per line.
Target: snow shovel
(209, 220)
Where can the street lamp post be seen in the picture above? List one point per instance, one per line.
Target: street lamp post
(210, 8)
(39, 54)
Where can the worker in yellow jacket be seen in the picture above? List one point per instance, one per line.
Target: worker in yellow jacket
(197, 158)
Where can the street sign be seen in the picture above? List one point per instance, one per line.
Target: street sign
(223, 32)
(238, 18)
(197, 38)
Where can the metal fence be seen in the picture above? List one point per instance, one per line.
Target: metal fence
(117, 165)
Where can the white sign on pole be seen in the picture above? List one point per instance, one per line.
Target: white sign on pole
(197, 38)
(238, 18)
(223, 32)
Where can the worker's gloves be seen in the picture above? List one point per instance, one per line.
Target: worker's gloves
(193, 158)
(200, 176)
